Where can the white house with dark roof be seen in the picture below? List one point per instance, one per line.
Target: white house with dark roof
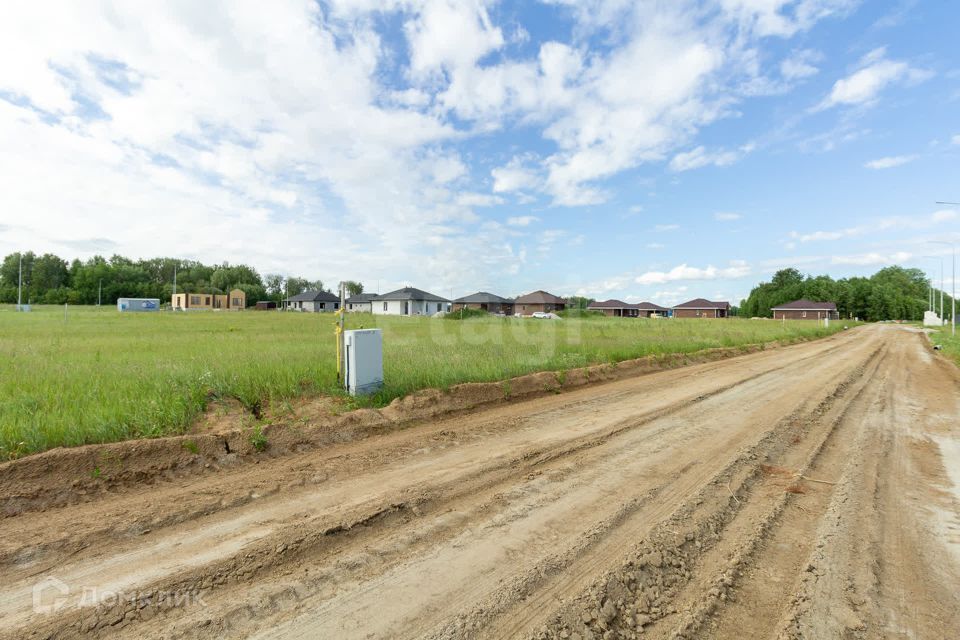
(313, 301)
(360, 302)
(408, 301)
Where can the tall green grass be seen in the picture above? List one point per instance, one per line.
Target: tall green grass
(102, 376)
(949, 343)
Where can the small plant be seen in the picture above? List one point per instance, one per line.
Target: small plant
(561, 377)
(191, 446)
(506, 389)
(258, 439)
(96, 473)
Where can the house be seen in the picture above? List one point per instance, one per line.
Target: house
(805, 310)
(615, 308)
(265, 305)
(538, 301)
(408, 301)
(650, 310)
(236, 300)
(700, 308)
(485, 302)
(314, 301)
(360, 302)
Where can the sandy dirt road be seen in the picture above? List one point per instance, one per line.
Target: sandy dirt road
(811, 491)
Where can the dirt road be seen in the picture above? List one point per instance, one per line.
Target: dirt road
(811, 491)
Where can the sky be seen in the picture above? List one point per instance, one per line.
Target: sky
(655, 151)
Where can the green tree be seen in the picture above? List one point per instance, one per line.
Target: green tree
(578, 302)
(354, 288)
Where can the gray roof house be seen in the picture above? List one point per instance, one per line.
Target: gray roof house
(318, 301)
(485, 302)
(360, 302)
(409, 301)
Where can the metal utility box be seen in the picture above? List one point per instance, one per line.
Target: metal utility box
(363, 356)
(138, 304)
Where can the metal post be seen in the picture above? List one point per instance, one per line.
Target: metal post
(20, 285)
(953, 295)
(99, 292)
(941, 289)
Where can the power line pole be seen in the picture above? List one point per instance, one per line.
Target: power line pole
(99, 292)
(20, 285)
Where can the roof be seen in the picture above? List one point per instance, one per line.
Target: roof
(611, 304)
(410, 293)
(702, 303)
(482, 297)
(649, 306)
(361, 298)
(314, 296)
(805, 305)
(540, 297)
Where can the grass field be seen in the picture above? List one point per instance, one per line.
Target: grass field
(102, 376)
(950, 343)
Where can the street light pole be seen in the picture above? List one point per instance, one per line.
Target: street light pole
(20, 285)
(953, 285)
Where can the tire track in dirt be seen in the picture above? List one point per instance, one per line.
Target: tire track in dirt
(624, 508)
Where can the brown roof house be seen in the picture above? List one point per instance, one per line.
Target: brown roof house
(701, 308)
(485, 302)
(805, 310)
(615, 308)
(538, 301)
(650, 310)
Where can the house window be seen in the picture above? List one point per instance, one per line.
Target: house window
(804, 314)
(323, 305)
(194, 299)
(208, 301)
(384, 306)
(336, 305)
(236, 302)
(438, 306)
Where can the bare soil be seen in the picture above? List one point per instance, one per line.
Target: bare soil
(809, 491)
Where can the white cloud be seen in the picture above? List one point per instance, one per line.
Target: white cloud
(869, 259)
(736, 269)
(478, 200)
(700, 157)
(188, 145)
(800, 65)
(655, 245)
(665, 227)
(889, 162)
(726, 216)
(955, 139)
(522, 221)
(916, 223)
(874, 74)
(783, 17)
(514, 176)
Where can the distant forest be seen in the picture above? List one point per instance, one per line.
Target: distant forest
(893, 293)
(49, 279)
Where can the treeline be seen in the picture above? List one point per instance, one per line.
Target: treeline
(49, 279)
(893, 293)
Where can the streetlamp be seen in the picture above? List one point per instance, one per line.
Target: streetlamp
(953, 286)
(933, 296)
(953, 276)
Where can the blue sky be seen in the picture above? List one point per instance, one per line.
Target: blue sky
(643, 151)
